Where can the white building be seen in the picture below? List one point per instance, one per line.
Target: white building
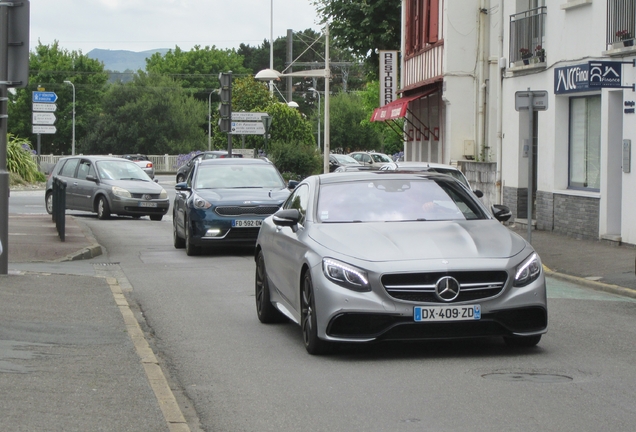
(462, 71)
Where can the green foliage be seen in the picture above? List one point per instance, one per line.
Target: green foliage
(296, 160)
(364, 26)
(350, 129)
(49, 67)
(20, 161)
(152, 114)
(390, 141)
(288, 125)
(196, 70)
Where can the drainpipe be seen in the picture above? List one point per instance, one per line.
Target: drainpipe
(498, 179)
(480, 86)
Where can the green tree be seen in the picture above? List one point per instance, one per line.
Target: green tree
(391, 142)
(20, 163)
(350, 129)
(363, 26)
(49, 67)
(197, 70)
(152, 114)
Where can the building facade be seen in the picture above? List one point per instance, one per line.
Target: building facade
(467, 69)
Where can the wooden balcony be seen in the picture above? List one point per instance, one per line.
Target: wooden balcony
(424, 67)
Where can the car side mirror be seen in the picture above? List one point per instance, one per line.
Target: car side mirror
(288, 217)
(292, 184)
(501, 212)
(478, 193)
(182, 187)
(91, 178)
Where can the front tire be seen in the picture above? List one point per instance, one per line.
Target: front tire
(522, 341)
(265, 310)
(103, 209)
(48, 201)
(309, 320)
(179, 243)
(191, 250)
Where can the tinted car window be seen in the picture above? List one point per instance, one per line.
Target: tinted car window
(298, 200)
(85, 168)
(68, 170)
(390, 200)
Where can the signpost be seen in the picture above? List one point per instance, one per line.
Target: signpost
(531, 101)
(44, 107)
(243, 116)
(247, 128)
(44, 97)
(43, 118)
(44, 129)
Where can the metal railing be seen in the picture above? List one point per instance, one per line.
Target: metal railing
(58, 213)
(162, 163)
(621, 21)
(527, 33)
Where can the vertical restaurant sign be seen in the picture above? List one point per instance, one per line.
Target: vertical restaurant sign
(388, 76)
(592, 75)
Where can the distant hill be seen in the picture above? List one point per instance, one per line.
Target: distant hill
(122, 60)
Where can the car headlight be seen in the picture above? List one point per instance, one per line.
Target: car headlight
(121, 192)
(528, 271)
(345, 275)
(200, 203)
(163, 194)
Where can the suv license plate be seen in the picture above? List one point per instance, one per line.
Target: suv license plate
(446, 313)
(147, 204)
(246, 223)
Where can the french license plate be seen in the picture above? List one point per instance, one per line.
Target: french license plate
(246, 223)
(147, 204)
(447, 313)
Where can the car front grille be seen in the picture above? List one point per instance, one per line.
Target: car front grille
(246, 210)
(420, 287)
(144, 196)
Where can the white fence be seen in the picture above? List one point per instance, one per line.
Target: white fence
(163, 163)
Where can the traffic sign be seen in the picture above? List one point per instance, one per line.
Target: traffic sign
(539, 100)
(47, 107)
(44, 97)
(43, 118)
(42, 129)
(247, 128)
(248, 116)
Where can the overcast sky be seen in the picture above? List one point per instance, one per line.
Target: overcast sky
(140, 25)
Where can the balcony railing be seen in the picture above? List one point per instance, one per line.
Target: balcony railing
(527, 33)
(424, 67)
(621, 22)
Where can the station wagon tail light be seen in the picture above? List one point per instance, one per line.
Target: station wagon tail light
(121, 192)
(528, 271)
(345, 275)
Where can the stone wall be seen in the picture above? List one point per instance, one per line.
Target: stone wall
(481, 176)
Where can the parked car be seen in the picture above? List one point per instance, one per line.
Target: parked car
(379, 256)
(373, 159)
(143, 162)
(184, 170)
(431, 167)
(108, 185)
(340, 160)
(224, 201)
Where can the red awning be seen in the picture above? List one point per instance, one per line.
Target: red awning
(393, 110)
(397, 108)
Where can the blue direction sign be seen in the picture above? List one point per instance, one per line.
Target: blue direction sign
(44, 97)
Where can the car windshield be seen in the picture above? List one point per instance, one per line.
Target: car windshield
(237, 176)
(120, 170)
(395, 200)
(453, 173)
(380, 158)
(345, 160)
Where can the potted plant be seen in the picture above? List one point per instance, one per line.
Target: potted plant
(525, 55)
(625, 36)
(539, 52)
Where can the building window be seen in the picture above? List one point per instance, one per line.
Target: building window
(422, 24)
(585, 143)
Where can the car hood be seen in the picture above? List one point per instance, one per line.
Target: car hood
(253, 195)
(135, 186)
(400, 241)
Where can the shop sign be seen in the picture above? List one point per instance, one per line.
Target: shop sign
(589, 76)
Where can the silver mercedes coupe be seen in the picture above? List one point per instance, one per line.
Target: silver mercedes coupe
(379, 255)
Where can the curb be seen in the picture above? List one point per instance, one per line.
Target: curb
(92, 251)
(600, 286)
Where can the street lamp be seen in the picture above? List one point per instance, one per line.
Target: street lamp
(73, 142)
(210, 121)
(311, 89)
(271, 74)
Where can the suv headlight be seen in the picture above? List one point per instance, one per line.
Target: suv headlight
(200, 203)
(345, 275)
(121, 192)
(528, 271)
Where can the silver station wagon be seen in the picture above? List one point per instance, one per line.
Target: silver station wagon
(108, 185)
